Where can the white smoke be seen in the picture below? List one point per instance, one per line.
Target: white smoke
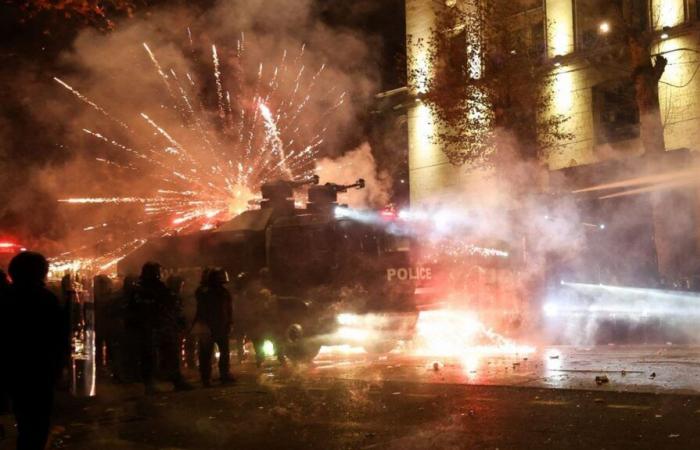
(357, 163)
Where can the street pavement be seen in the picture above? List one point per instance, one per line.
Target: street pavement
(654, 369)
(547, 399)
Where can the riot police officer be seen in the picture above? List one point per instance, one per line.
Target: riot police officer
(215, 312)
(104, 321)
(150, 313)
(261, 316)
(242, 314)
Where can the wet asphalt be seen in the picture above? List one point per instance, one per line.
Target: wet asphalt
(548, 399)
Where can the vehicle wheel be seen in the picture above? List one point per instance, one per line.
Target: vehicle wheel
(302, 351)
(300, 348)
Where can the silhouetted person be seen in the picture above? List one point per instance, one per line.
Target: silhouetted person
(215, 311)
(127, 359)
(149, 307)
(4, 282)
(4, 395)
(259, 306)
(171, 329)
(105, 322)
(242, 315)
(34, 347)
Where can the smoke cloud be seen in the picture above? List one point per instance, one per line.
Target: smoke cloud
(346, 169)
(327, 76)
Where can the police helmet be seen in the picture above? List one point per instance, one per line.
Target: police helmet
(150, 271)
(218, 277)
(175, 283)
(205, 276)
(242, 280)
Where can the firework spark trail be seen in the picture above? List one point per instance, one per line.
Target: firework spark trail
(179, 147)
(162, 74)
(94, 105)
(261, 141)
(307, 96)
(198, 125)
(87, 200)
(219, 85)
(273, 135)
(189, 37)
(114, 164)
(167, 136)
(256, 100)
(166, 168)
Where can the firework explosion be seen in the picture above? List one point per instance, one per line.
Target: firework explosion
(247, 136)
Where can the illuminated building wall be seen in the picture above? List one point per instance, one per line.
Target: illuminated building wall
(576, 76)
(431, 174)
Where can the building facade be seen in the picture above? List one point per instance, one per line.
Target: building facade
(593, 88)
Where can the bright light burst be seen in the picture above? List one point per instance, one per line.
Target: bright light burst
(206, 170)
(453, 333)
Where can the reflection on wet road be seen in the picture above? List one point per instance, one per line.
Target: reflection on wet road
(619, 368)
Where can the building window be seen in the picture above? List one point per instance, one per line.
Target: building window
(526, 27)
(594, 20)
(537, 41)
(457, 57)
(615, 111)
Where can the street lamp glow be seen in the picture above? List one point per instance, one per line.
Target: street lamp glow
(604, 27)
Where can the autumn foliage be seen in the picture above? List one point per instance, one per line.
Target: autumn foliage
(488, 86)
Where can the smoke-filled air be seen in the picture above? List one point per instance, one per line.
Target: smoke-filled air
(174, 122)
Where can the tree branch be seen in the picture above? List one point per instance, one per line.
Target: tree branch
(659, 66)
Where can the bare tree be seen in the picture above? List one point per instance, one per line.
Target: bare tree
(646, 72)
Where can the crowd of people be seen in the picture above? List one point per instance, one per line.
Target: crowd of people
(140, 332)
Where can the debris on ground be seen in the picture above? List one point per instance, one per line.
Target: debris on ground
(436, 366)
(601, 379)
(553, 356)
(653, 375)
(673, 436)
(623, 372)
(598, 400)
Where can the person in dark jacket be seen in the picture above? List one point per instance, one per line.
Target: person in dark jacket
(34, 347)
(4, 281)
(172, 329)
(4, 395)
(149, 310)
(215, 312)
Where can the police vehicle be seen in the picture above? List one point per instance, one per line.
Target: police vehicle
(338, 276)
